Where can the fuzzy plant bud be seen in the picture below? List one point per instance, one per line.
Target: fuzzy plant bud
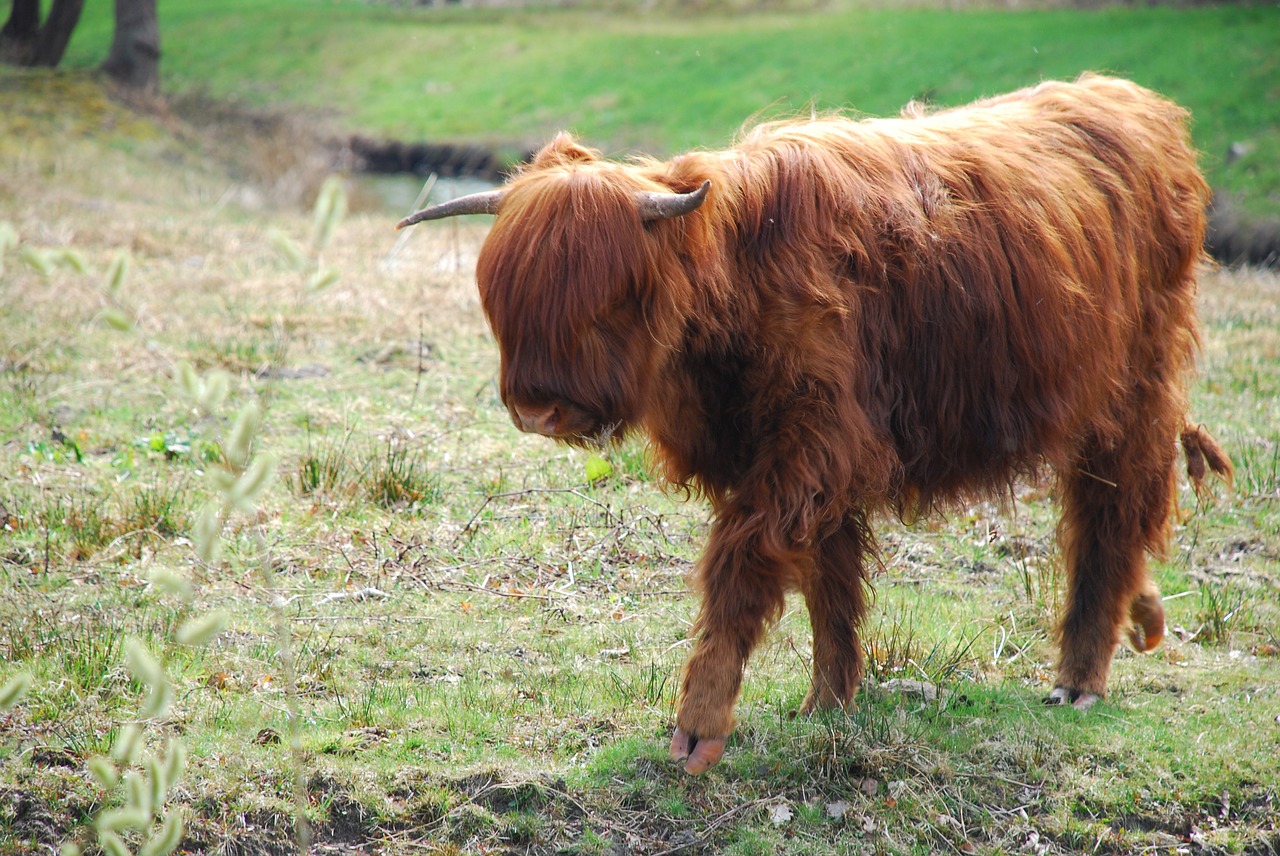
(240, 441)
(69, 257)
(167, 838)
(187, 379)
(15, 689)
(112, 844)
(146, 669)
(172, 583)
(157, 701)
(296, 258)
(202, 629)
(223, 480)
(157, 783)
(137, 795)
(331, 207)
(36, 259)
(117, 272)
(128, 816)
(8, 236)
(207, 533)
(248, 488)
(104, 772)
(214, 391)
(116, 320)
(175, 761)
(322, 279)
(125, 748)
(142, 664)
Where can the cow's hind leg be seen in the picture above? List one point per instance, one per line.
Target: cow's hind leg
(1116, 504)
(835, 594)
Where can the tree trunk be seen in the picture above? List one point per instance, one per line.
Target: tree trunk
(19, 33)
(56, 32)
(135, 50)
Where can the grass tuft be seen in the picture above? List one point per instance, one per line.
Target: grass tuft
(398, 477)
(161, 508)
(1224, 610)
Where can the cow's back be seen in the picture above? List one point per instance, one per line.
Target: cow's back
(1011, 269)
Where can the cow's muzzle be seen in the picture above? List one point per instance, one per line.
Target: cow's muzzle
(545, 419)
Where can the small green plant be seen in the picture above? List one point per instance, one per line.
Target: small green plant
(323, 468)
(319, 473)
(398, 477)
(1257, 464)
(238, 481)
(389, 476)
(652, 686)
(1224, 609)
(59, 452)
(26, 391)
(90, 652)
(596, 468)
(896, 648)
(83, 522)
(140, 781)
(251, 351)
(161, 508)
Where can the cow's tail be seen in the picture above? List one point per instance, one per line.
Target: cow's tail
(1204, 455)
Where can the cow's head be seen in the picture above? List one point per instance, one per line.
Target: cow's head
(582, 287)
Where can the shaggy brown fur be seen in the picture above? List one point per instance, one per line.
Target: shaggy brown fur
(865, 316)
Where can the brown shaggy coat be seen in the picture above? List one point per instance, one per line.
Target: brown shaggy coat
(888, 315)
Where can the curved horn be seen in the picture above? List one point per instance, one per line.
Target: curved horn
(664, 206)
(477, 203)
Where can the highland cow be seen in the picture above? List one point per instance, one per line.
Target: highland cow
(835, 319)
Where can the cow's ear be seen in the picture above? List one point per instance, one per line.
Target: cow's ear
(564, 150)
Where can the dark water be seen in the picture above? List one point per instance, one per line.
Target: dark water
(398, 193)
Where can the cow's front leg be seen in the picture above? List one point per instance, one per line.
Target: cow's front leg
(743, 576)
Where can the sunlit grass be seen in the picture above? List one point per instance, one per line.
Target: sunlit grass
(661, 82)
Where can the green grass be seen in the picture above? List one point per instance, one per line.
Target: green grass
(664, 82)
(487, 641)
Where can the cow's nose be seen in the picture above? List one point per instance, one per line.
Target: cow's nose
(537, 418)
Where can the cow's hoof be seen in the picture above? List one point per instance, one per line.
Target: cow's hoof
(816, 701)
(1079, 699)
(1147, 615)
(698, 754)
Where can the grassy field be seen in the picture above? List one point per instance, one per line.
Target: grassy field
(660, 82)
(486, 629)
